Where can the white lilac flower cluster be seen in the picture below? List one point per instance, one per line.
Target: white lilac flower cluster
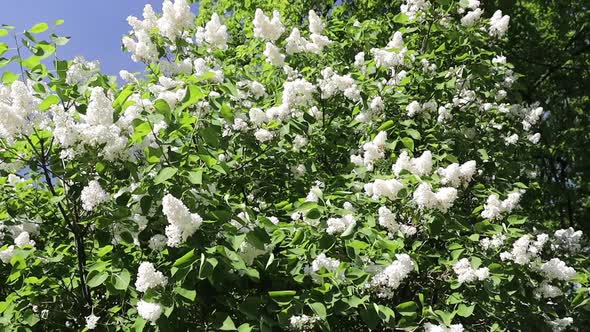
(560, 324)
(21, 234)
(393, 55)
(148, 277)
(441, 200)
(213, 35)
(555, 268)
(495, 208)
(390, 278)
(383, 188)
(182, 223)
(268, 28)
(414, 8)
(415, 108)
(95, 128)
(142, 48)
(18, 110)
(339, 225)
(495, 242)
(93, 195)
(499, 24)
(387, 220)
(420, 166)
(373, 151)
(92, 321)
(332, 83)
(80, 70)
(148, 310)
(568, 240)
(303, 322)
(524, 250)
(546, 290)
(456, 175)
(317, 41)
(322, 262)
(428, 327)
(466, 273)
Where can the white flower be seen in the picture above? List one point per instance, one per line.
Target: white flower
(93, 195)
(546, 290)
(466, 273)
(331, 83)
(6, 254)
(182, 223)
(143, 49)
(91, 321)
(471, 17)
(298, 92)
(442, 200)
(524, 250)
(148, 277)
(568, 239)
(428, 327)
(557, 269)
(420, 166)
(303, 322)
(322, 262)
(377, 104)
(560, 324)
(390, 278)
(273, 55)
(499, 24)
(149, 311)
(414, 8)
(266, 28)
(494, 208)
(176, 17)
(299, 142)
(23, 239)
(214, 34)
(339, 225)
(534, 138)
(455, 174)
(512, 139)
(80, 71)
(387, 188)
(263, 135)
(157, 242)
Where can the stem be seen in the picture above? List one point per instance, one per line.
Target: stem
(74, 227)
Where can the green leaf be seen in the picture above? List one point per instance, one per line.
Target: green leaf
(409, 308)
(401, 18)
(121, 280)
(189, 294)
(58, 22)
(414, 133)
(319, 309)
(193, 95)
(3, 32)
(47, 102)
(228, 325)
(165, 174)
(282, 293)
(386, 125)
(186, 260)
(465, 310)
(98, 279)
(8, 77)
(196, 177)
(408, 143)
(39, 27)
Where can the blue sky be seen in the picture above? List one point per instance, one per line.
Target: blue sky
(96, 26)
